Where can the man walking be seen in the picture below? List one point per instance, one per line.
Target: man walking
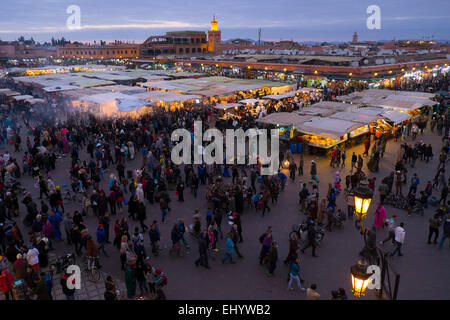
(311, 240)
(294, 272)
(101, 239)
(229, 249)
(414, 183)
(399, 239)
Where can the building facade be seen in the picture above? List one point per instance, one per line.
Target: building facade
(114, 50)
(177, 42)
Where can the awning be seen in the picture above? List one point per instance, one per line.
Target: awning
(23, 97)
(327, 127)
(284, 119)
(355, 117)
(275, 96)
(225, 106)
(252, 100)
(396, 116)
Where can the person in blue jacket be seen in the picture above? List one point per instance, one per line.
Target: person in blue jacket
(229, 249)
(101, 239)
(55, 219)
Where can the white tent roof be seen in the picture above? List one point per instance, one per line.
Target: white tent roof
(284, 119)
(23, 97)
(306, 89)
(224, 106)
(336, 106)
(59, 88)
(127, 105)
(10, 93)
(166, 96)
(120, 88)
(35, 100)
(398, 104)
(316, 111)
(396, 116)
(355, 117)
(275, 96)
(327, 127)
(251, 100)
(106, 97)
(370, 111)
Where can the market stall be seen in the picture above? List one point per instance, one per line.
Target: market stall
(316, 111)
(108, 104)
(327, 132)
(227, 110)
(286, 122)
(167, 99)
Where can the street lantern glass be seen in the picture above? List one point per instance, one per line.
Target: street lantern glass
(360, 280)
(362, 197)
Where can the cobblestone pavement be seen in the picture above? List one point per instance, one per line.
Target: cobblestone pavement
(423, 268)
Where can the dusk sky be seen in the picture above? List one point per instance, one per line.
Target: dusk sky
(300, 20)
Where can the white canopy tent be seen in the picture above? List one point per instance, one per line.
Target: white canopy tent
(35, 100)
(250, 101)
(9, 92)
(396, 116)
(284, 119)
(225, 106)
(370, 110)
(166, 96)
(401, 105)
(336, 106)
(355, 117)
(59, 88)
(23, 97)
(327, 127)
(275, 96)
(316, 111)
(110, 103)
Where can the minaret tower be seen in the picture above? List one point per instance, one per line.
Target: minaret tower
(214, 37)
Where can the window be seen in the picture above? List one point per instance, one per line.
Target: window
(126, 52)
(187, 50)
(192, 40)
(180, 50)
(197, 40)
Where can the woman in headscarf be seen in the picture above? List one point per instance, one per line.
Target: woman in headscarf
(380, 216)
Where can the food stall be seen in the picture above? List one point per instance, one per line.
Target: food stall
(327, 132)
(286, 123)
(109, 104)
(315, 111)
(168, 100)
(227, 110)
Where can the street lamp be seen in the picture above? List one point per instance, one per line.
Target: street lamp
(360, 279)
(363, 197)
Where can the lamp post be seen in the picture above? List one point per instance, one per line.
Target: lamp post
(363, 197)
(360, 279)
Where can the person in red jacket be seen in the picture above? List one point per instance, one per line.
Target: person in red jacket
(6, 281)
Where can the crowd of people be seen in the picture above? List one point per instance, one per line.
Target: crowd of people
(100, 151)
